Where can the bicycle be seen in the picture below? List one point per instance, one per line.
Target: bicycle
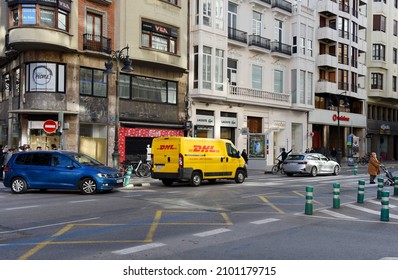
(278, 168)
(363, 160)
(139, 169)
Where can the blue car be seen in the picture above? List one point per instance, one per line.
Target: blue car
(59, 170)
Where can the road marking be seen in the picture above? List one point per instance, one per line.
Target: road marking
(336, 215)
(379, 203)
(265, 221)
(369, 210)
(80, 201)
(22, 207)
(136, 249)
(50, 225)
(211, 232)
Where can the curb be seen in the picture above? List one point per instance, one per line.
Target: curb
(135, 185)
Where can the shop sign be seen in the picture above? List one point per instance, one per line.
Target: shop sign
(205, 120)
(385, 129)
(342, 118)
(228, 122)
(279, 124)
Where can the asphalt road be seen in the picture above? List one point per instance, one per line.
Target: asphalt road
(263, 218)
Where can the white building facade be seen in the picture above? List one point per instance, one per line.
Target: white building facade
(249, 81)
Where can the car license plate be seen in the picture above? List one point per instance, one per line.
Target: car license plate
(119, 181)
(158, 167)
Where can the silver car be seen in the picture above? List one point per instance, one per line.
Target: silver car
(311, 164)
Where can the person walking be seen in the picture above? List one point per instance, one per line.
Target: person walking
(373, 167)
(244, 155)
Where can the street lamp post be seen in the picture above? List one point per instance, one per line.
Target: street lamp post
(118, 56)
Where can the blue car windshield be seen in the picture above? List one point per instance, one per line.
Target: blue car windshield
(84, 159)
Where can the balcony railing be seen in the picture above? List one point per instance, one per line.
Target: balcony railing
(237, 35)
(248, 95)
(258, 41)
(282, 4)
(96, 43)
(281, 48)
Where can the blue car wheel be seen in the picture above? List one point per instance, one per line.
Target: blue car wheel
(19, 185)
(88, 186)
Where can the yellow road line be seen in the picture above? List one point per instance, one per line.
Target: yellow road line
(263, 198)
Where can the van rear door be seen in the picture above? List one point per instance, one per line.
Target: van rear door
(165, 155)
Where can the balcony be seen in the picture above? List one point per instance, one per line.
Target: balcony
(238, 36)
(280, 49)
(326, 61)
(260, 3)
(325, 86)
(258, 43)
(327, 34)
(283, 6)
(328, 8)
(96, 43)
(258, 97)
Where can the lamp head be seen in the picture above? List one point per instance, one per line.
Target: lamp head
(109, 67)
(127, 65)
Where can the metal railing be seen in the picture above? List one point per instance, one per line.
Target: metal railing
(237, 35)
(258, 41)
(96, 43)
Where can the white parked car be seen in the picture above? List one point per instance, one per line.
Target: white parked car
(311, 164)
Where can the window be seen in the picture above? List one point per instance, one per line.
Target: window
(377, 81)
(310, 78)
(379, 23)
(278, 81)
(309, 47)
(207, 12)
(232, 71)
(159, 37)
(343, 79)
(302, 45)
(153, 90)
(196, 67)
(94, 30)
(124, 86)
(294, 44)
(394, 83)
(394, 55)
(343, 54)
(219, 14)
(45, 14)
(206, 67)
(343, 25)
(232, 15)
(256, 23)
(257, 77)
(378, 52)
(45, 77)
(395, 27)
(175, 2)
(219, 79)
(278, 30)
(302, 87)
(93, 82)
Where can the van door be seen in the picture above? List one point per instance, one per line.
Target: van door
(215, 159)
(233, 160)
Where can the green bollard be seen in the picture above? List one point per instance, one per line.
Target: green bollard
(308, 200)
(395, 186)
(336, 195)
(127, 177)
(380, 185)
(361, 191)
(355, 169)
(385, 211)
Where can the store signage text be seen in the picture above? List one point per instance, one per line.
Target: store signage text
(342, 118)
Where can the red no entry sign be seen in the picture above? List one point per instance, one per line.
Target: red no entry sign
(50, 126)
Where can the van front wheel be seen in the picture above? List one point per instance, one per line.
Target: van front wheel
(196, 179)
(240, 176)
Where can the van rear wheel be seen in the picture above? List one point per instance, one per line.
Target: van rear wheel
(196, 179)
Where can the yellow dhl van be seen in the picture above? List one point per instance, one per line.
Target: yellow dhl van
(177, 159)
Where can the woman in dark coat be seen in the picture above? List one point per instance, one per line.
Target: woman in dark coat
(373, 167)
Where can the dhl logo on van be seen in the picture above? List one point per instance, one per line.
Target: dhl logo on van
(166, 147)
(203, 149)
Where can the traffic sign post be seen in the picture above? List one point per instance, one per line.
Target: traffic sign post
(50, 126)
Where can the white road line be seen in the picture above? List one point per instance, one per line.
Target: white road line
(265, 221)
(379, 203)
(337, 215)
(363, 209)
(82, 201)
(140, 248)
(50, 225)
(22, 207)
(211, 232)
